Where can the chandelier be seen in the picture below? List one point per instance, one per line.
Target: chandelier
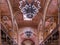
(29, 10)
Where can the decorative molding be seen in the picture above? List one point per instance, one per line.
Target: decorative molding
(29, 10)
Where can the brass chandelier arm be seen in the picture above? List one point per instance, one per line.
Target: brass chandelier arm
(43, 19)
(13, 20)
(44, 14)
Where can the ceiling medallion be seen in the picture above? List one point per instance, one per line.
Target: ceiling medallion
(29, 10)
(28, 33)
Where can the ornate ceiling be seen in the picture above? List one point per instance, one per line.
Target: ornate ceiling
(5, 11)
(44, 22)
